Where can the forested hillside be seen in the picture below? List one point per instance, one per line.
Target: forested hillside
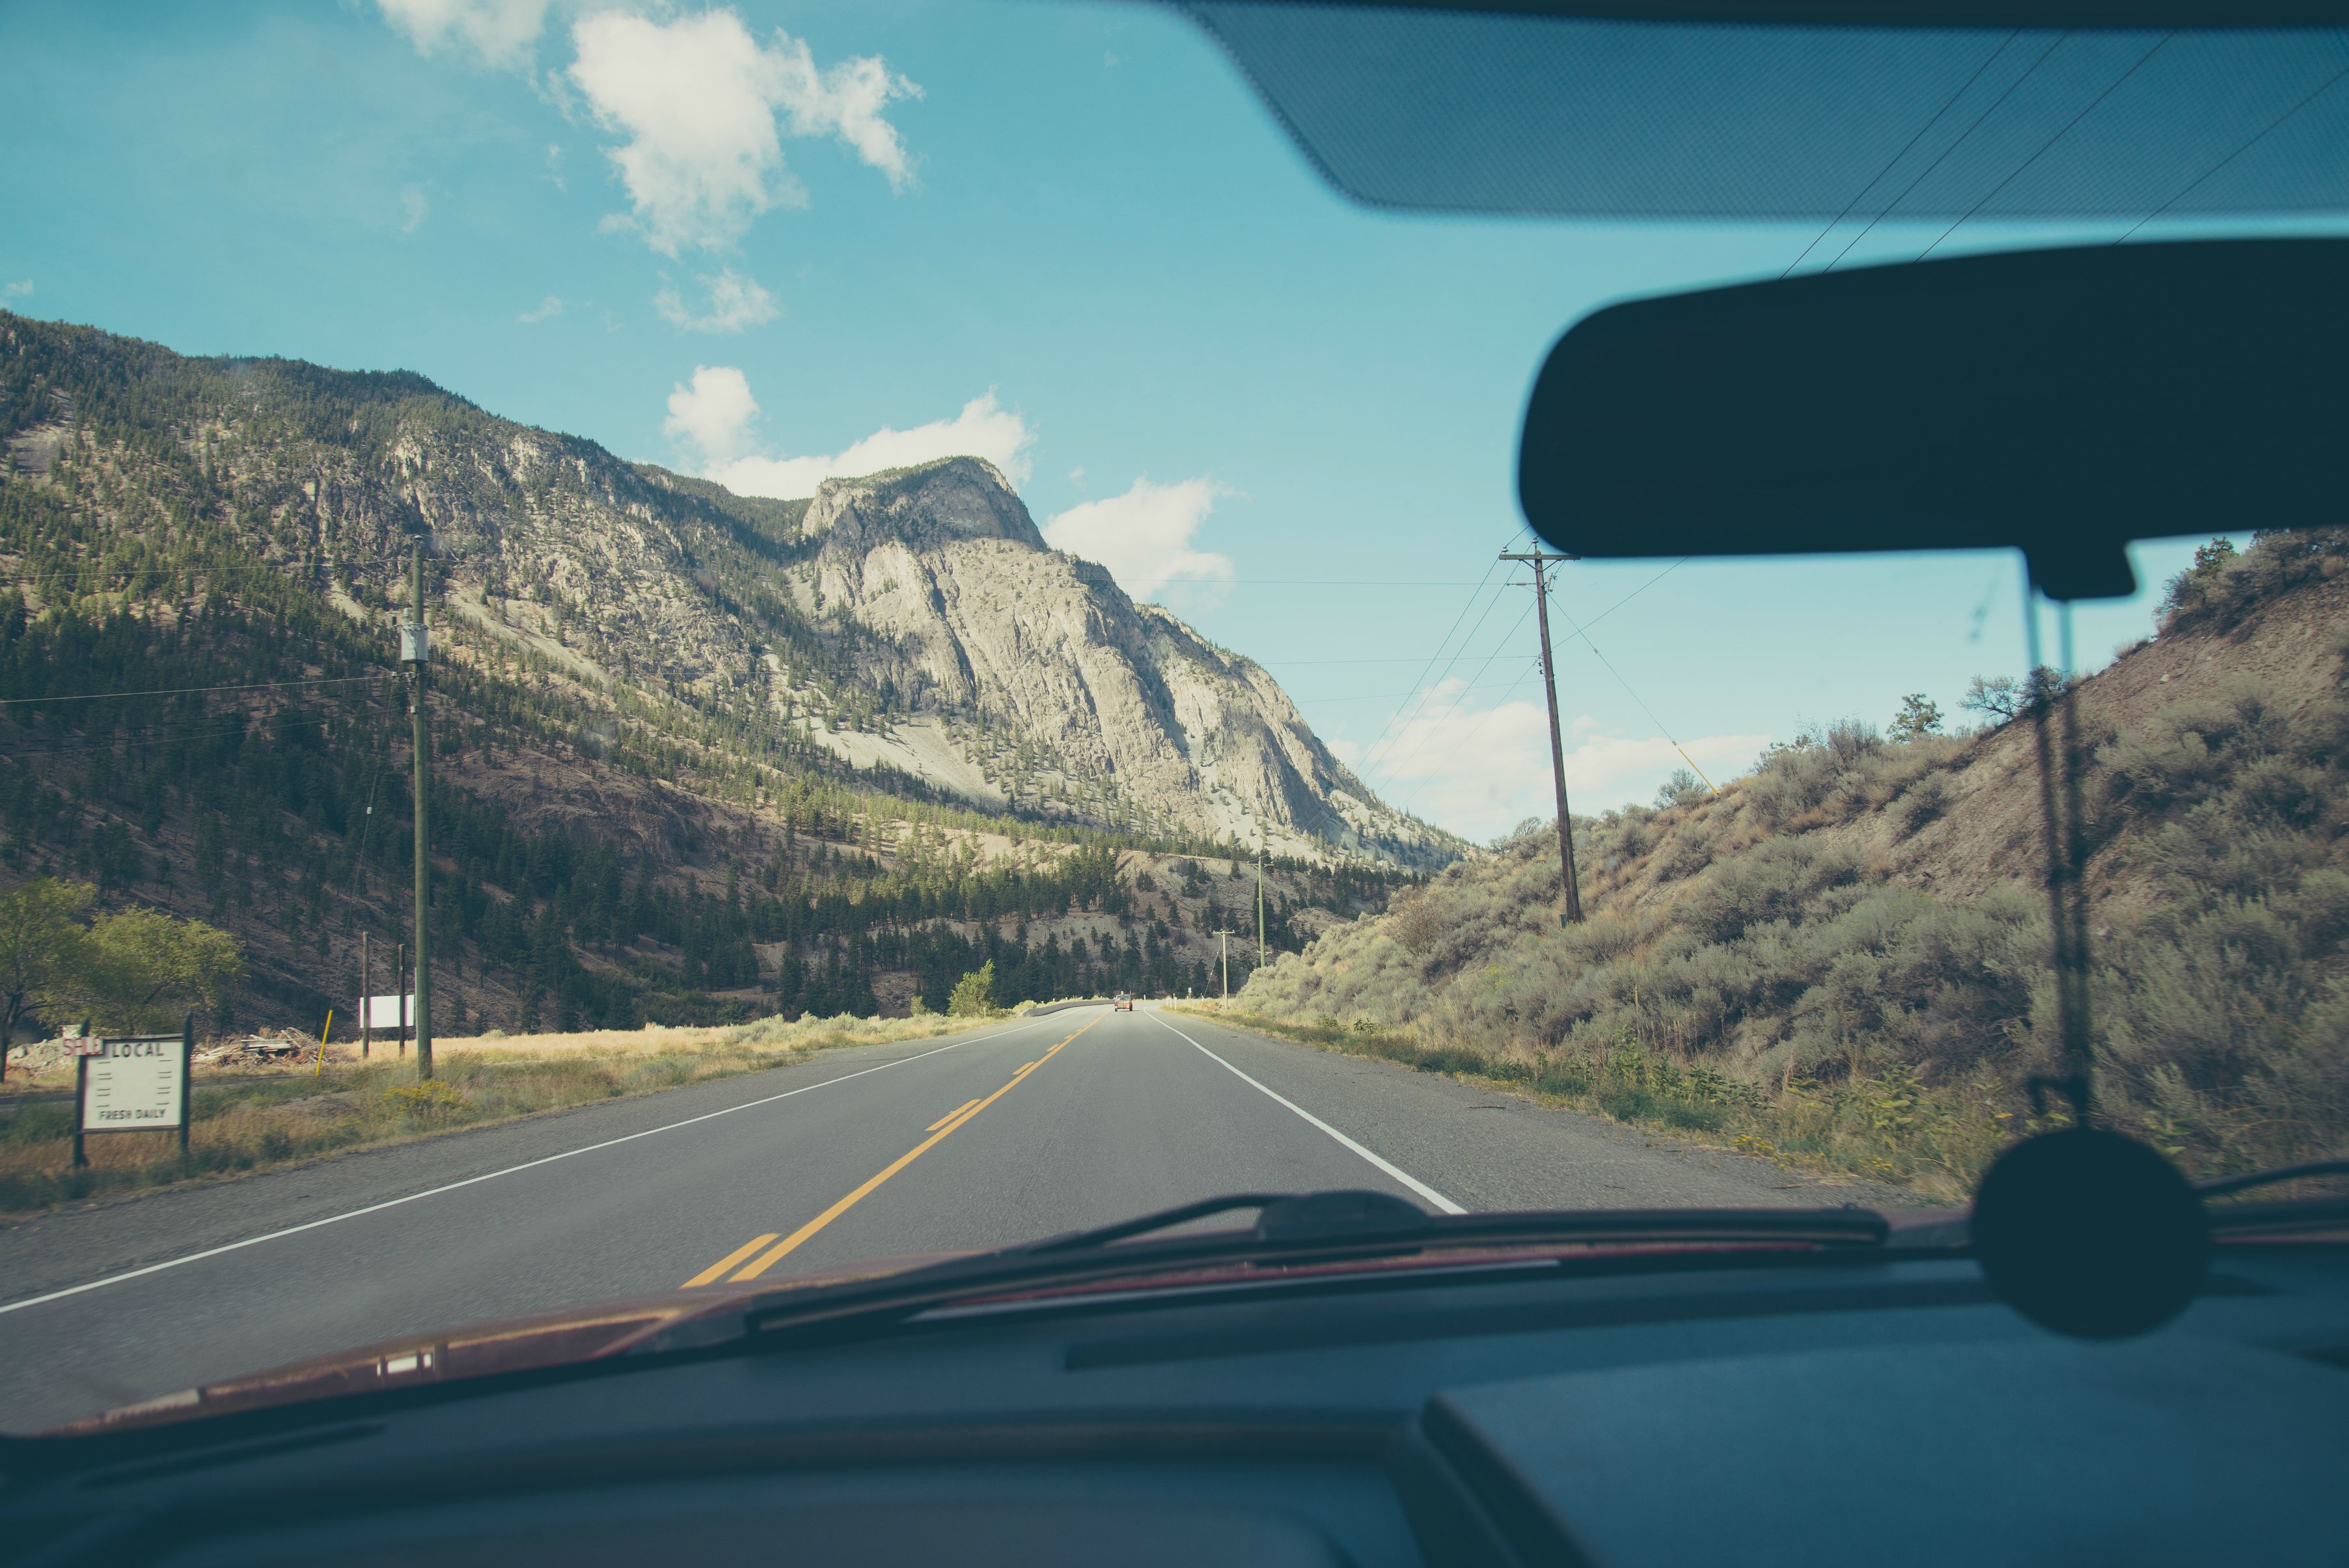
(1843, 957)
(641, 807)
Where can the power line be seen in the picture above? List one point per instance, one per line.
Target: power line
(1300, 664)
(1460, 695)
(2007, 92)
(185, 690)
(1473, 730)
(1642, 588)
(1321, 583)
(1635, 696)
(1895, 159)
(107, 743)
(1371, 751)
(2320, 90)
(1381, 747)
(2043, 147)
(1387, 696)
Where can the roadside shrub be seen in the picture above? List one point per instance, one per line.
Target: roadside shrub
(974, 994)
(1777, 880)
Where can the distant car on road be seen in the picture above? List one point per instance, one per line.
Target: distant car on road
(1122, 1002)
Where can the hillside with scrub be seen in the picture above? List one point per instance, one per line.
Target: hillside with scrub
(1842, 958)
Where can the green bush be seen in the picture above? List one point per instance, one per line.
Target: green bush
(974, 994)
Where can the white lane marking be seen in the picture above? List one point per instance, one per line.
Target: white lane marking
(1414, 1183)
(493, 1174)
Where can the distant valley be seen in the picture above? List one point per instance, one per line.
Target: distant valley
(703, 754)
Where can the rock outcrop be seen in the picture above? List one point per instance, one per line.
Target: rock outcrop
(1062, 687)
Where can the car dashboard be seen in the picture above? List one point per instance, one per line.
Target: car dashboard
(1679, 1408)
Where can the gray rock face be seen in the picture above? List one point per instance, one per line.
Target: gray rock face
(914, 622)
(1070, 690)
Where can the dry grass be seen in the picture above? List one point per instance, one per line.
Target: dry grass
(254, 1117)
(1934, 1141)
(1843, 959)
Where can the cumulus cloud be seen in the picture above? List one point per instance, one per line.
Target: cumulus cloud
(22, 289)
(1480, 772)
(1144, 536)
(412, 208)
(703, 106)
(502, 32)
(735, 303)
(713, 415)
(552, 306)
(711, 419)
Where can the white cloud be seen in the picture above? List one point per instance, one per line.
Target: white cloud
(552, 306)
(501, 31)
(1480, 773)
(412, 207)
(713, 415)
(712, 418)
(20, 290)
(1144, 536)
(704, 107)
(735, 303)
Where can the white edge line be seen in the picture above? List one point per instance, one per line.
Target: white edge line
(1414, 1183)
(490, 1176)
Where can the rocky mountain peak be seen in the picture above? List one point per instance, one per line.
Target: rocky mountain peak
(923, 507)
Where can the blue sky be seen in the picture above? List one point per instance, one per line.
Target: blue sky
(1064, 235)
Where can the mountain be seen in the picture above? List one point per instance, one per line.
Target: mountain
(1843, 957)
(1053, 689)
(695, 745)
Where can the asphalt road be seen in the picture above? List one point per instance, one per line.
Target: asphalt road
(1002, 1134)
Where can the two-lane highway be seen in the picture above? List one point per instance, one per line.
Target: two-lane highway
(1002, 1134)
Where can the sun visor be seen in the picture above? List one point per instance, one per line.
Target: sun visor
(2063, 402)
(2099, 109)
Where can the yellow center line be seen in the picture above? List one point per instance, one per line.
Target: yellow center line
(782, 1248)
(718, 1269)
(950, 1115)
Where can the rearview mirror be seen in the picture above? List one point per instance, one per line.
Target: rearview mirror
(2061, 401)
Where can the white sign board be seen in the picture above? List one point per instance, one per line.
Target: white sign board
(134, 1085)
(386, 1012)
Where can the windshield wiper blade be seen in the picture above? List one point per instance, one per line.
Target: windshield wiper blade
(1344, 1216)
(2221, 1186)
(1291, 1230)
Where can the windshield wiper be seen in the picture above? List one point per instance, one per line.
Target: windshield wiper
(2275, 1216)
(1290, 1231)
(2221, 1186)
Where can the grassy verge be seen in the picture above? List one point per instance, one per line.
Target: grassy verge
(1936, 1142)
(251, 1118)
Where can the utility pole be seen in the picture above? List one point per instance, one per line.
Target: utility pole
(366, 1001)
(415, 650)
(1556, 743)
(1226, 934)
(1259, 895)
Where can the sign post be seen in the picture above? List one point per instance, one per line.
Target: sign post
(137, 1084)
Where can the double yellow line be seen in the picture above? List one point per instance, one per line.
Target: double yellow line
(759, 1262)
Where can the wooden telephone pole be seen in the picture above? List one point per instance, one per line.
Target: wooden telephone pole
(1538, 559)
(1259, 895)
(1226, 936)
(415, 650)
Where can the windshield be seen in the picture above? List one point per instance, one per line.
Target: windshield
(652, 650)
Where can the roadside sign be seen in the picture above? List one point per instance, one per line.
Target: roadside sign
(136, 1084)
(389, 1012)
